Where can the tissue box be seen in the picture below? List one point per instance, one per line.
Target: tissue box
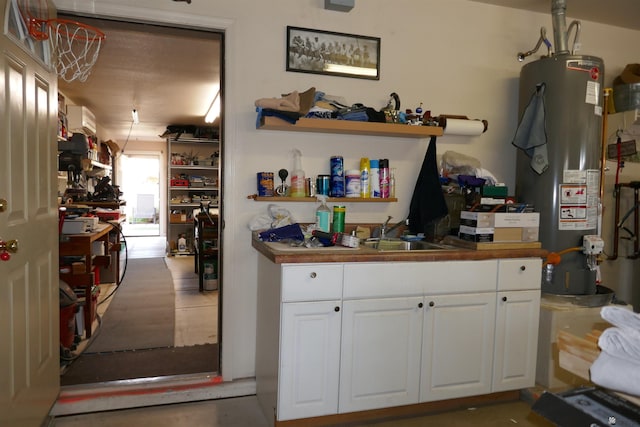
(476, 234)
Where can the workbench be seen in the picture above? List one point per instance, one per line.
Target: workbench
(81, 245)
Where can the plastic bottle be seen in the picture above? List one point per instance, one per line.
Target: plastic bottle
(384, 178)
(365, 188)
(374, 178)
(392, 183)
(297, 176)
(323, 215)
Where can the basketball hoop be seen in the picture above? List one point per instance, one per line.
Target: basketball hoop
(74, 47)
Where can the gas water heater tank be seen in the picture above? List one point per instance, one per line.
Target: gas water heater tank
(567, 193)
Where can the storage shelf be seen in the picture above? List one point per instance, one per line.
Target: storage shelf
(183, 140)
(350, 127)
(194, 188)
(194, 167)
(188, 205)
(329, 199)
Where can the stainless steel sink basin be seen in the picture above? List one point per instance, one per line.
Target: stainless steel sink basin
(401, 245)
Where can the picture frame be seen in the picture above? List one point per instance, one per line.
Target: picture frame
(332, 54)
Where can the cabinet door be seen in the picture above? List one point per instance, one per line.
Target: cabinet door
(516, 340)
(309, 359)
(457, 346)
(380, 365)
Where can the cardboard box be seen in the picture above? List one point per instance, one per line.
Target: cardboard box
(516, 234)
(475, 234)
(499, 219)
(177, 218)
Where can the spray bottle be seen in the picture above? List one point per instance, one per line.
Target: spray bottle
(297, 175)
(323, 215)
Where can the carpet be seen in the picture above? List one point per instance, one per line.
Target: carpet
(101, 367)
(142, 313)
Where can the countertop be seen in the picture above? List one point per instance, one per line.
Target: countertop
(281, 253)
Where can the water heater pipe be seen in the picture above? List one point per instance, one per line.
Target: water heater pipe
(558, 14)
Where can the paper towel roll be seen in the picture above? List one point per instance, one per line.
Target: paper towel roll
(464, 127)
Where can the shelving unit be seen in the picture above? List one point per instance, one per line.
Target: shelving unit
(207, 261)
(329, 199)
(194, 164)
(350, 127)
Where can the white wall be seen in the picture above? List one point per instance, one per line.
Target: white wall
(454, 56)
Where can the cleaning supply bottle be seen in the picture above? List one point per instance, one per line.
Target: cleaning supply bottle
(297, 176)
(323, 215)
(392, 182)
(384, 178)
(365, 189)
(374, 178)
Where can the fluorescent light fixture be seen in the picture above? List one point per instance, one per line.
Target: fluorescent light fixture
(214, 109)
(134, 116)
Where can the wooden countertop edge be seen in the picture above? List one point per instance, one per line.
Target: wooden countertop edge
(371, 255)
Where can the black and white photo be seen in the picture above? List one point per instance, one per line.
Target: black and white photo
(330, 53)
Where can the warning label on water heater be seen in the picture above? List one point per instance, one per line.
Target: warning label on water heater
(579, 200)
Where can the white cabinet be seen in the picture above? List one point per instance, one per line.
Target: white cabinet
(309, 359)
(514, 364)
(457, 346)
(517, 316)
(380, 363)
(310, 322)
(338, 338)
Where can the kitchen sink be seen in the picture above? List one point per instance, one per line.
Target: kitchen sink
(402, 245)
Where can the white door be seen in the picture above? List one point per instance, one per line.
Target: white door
(380, 365)
(309, 359)
(516, 349)
(29, 294)
(457, 346)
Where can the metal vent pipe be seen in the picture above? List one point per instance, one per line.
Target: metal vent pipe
(558, 14)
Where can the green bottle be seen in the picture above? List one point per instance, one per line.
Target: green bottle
(323, 215)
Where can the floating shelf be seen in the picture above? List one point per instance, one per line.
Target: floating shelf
(329, 199)
(350, 127)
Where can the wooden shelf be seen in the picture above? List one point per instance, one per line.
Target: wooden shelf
(350, 127)
(329, 199)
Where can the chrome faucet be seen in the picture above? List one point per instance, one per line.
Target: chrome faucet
(383, 227)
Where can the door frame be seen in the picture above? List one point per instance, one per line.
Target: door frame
(229, 30)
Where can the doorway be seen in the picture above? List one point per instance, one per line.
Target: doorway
(143, 189)
(140, 185)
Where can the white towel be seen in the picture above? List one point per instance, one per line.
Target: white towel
(623, 343)
(616, 373)
(622, 317)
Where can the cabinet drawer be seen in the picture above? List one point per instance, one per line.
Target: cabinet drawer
(400, 279)
(519, 274)
(312, 282)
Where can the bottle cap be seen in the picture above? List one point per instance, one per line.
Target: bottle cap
(373, 163)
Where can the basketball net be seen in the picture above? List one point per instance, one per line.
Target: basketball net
(74, 48)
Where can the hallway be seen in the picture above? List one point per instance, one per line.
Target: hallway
(194, 337)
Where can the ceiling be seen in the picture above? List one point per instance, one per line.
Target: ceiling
(620, 13)
(169, 75)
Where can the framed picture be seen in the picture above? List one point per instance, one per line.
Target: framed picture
(334, 54)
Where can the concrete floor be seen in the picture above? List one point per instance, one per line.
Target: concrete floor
(245, 412)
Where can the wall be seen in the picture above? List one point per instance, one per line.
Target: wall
(454, 56)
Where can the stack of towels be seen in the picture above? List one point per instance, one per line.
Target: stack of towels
(618, 365)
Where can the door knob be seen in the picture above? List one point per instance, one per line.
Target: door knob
(7, 248)
(3, 205)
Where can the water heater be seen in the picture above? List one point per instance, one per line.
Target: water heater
(567, 193)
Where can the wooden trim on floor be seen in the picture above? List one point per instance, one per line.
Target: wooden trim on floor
(407, 411)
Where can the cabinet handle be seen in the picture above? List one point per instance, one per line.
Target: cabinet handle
(313, 275)
(431, 303)
(420, 305)
(523, 268)
(337, 309)
(504, 299)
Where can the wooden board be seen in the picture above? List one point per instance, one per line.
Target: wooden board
(480, 246)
